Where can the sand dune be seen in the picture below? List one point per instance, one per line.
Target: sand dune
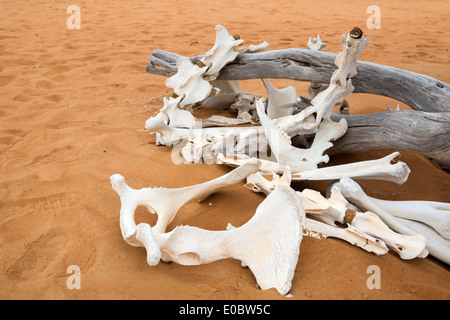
(72, 104)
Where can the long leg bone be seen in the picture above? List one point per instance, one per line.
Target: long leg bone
(438, 246)
(434, 214)
(269, 243)
(380, 169)
(408, 247)
(354, 193)
(360, 225)
(335, 208)
(167, 201)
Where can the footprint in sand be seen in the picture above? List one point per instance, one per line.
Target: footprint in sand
(49, 254)
(64, 154)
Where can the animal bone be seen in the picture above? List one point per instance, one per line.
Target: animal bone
(335, 208)
(188, 82)
(254, 48)
(340, 86)
(329, 131)
(437, 245)
(258, 183)
(208, 144)
(431, 213)
(349, 234)
(315, 87)
(280, 101)
(408, 247)
(165, 135)
(167, 201)
(227, 86)
(316, 44)
(331, 210)
(268, 243)
(379, 169)
(354, 193)
(287, 155)
(175, 117)
(361, 226)
(420, 92)
(221, 53)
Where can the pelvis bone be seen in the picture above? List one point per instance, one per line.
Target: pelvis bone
(269, 243)
(167, 201)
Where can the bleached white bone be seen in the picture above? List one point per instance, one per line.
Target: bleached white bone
(340, 82)
(329, 131)
(258, 183)
(221, 53)
(435, 214)
(176, 117)
(188, 82)
(360, 225)
(335, 208)
(316, 44)
(268, 243)
(237, 160)
(286, 154)
(354, 193)
(246, 105)
(254, 48)
(330, 211)
(167, 201)
(340, 86)
(379, 169)
(407, 246)
(165, 135)
(315, 87)
(349, 234)
(438, 246)
(208, 144)
(280, 101)
(222, 121)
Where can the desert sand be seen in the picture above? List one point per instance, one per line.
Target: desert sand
(73, 108)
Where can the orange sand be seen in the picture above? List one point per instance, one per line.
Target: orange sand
(72, 105)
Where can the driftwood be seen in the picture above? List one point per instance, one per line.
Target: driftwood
(426, 133)
(420, 92)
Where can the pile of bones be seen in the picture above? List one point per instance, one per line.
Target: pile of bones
(269, 243)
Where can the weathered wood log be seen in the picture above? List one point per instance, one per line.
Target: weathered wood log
(426, 133)
(420, 92)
